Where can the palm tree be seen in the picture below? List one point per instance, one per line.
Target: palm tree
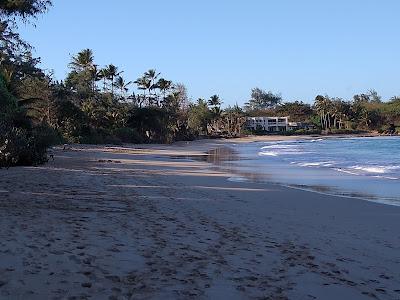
(143, 84)
(217, 111)
(122, 85)
(171, 101)
(95, 75)
(214, 101)
(83, 68)
(82, 61)
(340, 110)
(152, 75)
(103, 74)
(322, 106)
(112, 72)
(148, 83)
(164, 86)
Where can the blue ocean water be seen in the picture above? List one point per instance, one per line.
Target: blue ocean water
(367, 168)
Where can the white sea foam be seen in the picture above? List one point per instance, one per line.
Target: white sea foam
(280, 149)
(237, 179)
(317, 164)
(277, 146)
(277, 152)
(379, 170)
(346, 171)
(268, 153)
(387, 177)
(375, 169)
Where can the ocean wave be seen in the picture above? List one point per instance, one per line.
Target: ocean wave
(346, 171)
(238, 179)
(280, 149)
(279, 146)
(281, 153)
(317, 164)
(268, 153)
(387, 177)
(375, 169)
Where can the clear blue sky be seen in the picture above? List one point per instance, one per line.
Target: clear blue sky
(226, 47)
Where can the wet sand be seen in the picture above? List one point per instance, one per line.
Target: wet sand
(144, 222)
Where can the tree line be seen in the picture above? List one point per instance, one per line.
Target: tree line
(364, 112)
(94, 104)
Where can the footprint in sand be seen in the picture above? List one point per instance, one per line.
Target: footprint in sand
(86, 284)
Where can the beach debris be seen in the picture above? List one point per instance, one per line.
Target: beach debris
(109, 161)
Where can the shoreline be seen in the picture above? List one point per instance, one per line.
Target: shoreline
(324, 189)
(207, 150)
(139, 223)
(206, 144)
(273, 138)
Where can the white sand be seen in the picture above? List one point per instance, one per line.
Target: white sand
(146, 225)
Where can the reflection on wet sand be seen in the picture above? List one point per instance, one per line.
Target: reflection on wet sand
(226, 158)
(216, 156)
(323, 189)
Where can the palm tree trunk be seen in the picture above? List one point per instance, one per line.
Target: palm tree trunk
(321, 120)
(112, 87)
(329, 121)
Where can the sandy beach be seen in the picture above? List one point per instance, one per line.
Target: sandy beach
(144, 222)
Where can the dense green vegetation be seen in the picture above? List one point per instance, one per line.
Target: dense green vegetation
(365, 112)
(21, 141)
(94, 104)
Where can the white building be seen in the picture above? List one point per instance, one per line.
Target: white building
(269, 124)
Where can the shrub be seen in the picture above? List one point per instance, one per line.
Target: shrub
(128, 135)
(306, 132)
(103, 136)
(7, 100)
(92, 136)
(110, 139)
(345, 131)
(47, 135)
(13, 142)
(246, 131)
(387, 129)
(21, 147)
